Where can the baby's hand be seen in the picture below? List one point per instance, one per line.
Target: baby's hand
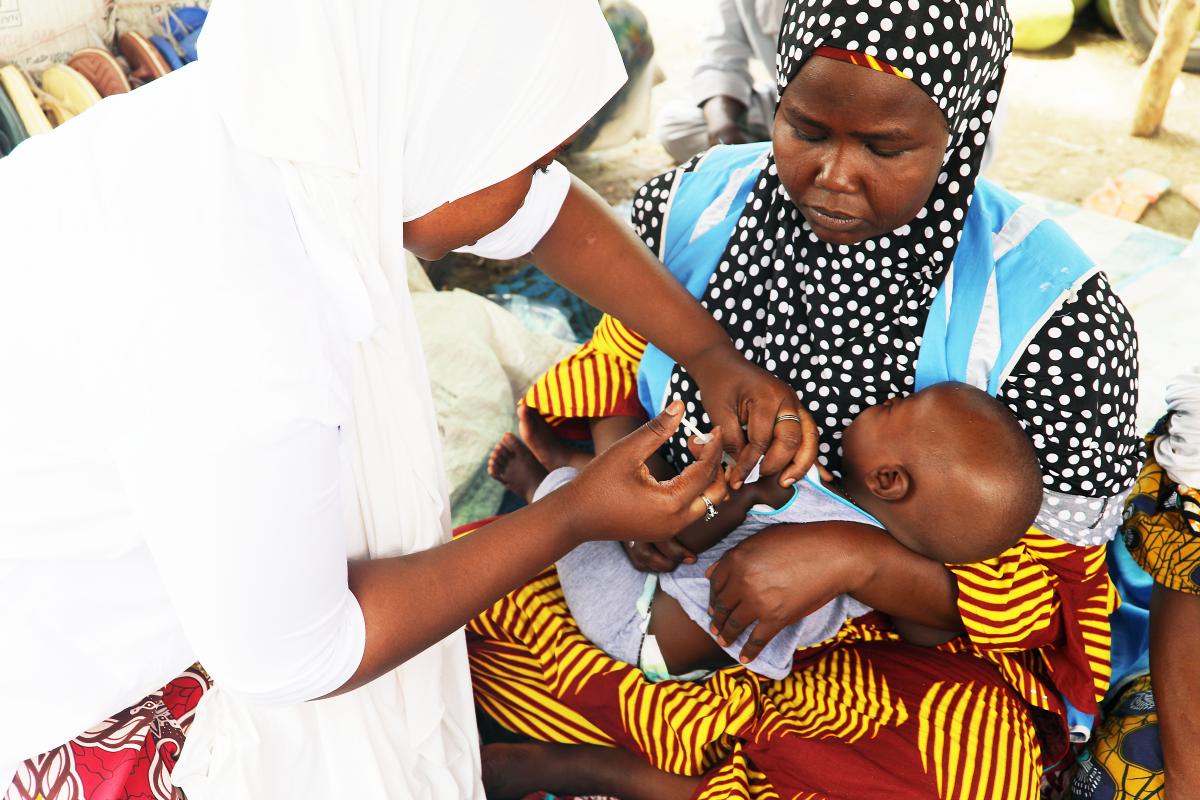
(767, 491)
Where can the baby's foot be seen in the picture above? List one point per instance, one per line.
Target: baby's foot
(546, 445)
(512, 463)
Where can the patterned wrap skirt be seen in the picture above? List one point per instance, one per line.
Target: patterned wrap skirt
(129, 756)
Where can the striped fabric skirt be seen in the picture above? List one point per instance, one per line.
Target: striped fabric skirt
(865, 715)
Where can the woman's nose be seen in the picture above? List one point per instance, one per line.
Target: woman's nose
(837, 172)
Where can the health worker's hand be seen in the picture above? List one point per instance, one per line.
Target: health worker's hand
(616, 497)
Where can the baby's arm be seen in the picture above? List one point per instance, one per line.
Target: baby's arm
(701, 535)
(607, 431)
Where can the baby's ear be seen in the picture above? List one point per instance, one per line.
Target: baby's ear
(890, 482)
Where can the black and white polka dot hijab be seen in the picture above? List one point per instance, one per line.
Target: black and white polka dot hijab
(843, 323)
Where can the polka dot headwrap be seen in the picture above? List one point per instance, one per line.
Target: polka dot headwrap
(843, 323)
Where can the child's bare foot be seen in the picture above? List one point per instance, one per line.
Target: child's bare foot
(546, 445)
(512, 463)
(516, 770)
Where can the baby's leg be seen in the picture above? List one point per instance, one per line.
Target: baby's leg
(607, 431)
(521, 464)
(513, 464)
(547, 446)
(516, 770)
(685, 646)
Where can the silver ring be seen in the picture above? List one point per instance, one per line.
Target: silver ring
(632, 543)
(788, 418)
(710, 511)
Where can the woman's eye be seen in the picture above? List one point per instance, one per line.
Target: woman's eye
(882, 153)
(805, 136)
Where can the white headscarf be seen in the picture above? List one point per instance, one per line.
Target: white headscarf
(379, 111)
(1178, 451)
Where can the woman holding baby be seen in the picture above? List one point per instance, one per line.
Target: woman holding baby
(858, 257)
(218, 439)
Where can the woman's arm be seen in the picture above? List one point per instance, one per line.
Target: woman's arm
(593, 253)
(410, 602)
(665, 555)
(1174, 642)
(248, 538)
(413, 601)
(786, 572)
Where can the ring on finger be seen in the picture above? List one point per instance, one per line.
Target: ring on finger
(788, 418)
(710, 511)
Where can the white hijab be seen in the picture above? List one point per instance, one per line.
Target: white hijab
(379, 111)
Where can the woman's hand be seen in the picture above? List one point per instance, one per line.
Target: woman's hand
(737, 393)
(616, 497)
(784, 573)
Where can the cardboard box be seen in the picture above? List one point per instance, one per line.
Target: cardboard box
(36, 33)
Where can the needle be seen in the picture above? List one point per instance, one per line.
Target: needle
(704, 438)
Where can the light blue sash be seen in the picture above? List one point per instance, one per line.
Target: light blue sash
(705, 207)
(1012, 270)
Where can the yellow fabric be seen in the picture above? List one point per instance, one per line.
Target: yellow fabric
(23, 99)
(975, 741)
(598, 380)
(1014, 603)
(1124, 759)
(74, 90)
(1162, 527)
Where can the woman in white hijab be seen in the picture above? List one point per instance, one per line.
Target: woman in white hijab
(217, 441)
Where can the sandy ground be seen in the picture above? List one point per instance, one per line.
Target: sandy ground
(1069, 110)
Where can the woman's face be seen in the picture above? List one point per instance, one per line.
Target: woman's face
(465, 221)
(858, 151)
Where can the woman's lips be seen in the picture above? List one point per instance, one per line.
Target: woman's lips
(832, 220)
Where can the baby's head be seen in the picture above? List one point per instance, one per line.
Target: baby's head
(947, 470)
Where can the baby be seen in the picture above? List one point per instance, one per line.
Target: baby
(947, 472)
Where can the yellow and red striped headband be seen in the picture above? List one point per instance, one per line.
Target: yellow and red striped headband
(859, 59)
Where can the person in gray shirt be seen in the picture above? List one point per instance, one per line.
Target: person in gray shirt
(724, 105)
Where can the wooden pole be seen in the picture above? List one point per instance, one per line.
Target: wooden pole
(1177, 28)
